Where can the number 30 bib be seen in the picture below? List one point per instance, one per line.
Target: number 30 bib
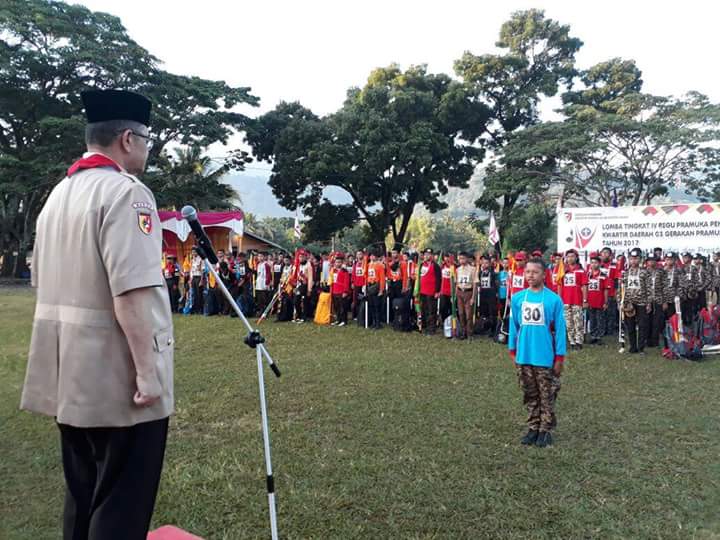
(533, 314)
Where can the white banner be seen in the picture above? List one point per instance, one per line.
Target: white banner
(676, 227)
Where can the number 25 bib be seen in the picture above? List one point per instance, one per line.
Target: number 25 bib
(569, 280)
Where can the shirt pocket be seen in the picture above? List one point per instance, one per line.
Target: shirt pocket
(163, 342)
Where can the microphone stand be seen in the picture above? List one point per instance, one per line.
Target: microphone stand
(255, 341)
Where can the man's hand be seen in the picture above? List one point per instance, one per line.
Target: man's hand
(149, 390)
(648, 308)
(557, 368)
(665, 306)
(437, 295)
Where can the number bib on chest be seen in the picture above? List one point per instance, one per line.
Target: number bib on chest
(569, 280)
(241, 270)
(533, 314)
(446, 273)
(593, 284)
(371, 273)
(485, 282)
(518, 282)
(464, 280)
(633, 282)
(277, 268)
(424, 271)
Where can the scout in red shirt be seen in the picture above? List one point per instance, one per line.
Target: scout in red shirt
(612, 274)
(446, 272)
(517, 281)
(552, 277)
(357, 281)
(430, 278)
(574, 297)
(340, 290)
(597, 299)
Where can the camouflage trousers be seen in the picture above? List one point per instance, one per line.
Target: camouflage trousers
(575, 324)
(540, 388)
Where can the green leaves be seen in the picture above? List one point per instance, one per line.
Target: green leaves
(399, 141)
(49, 53)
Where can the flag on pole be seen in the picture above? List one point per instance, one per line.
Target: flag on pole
(297, 231)
(493, 233)
(559, 206)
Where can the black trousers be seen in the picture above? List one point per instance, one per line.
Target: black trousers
(339, 305)
(656, 325)
(376, 303)
(303, 308)
(636, 329)
(394, 290)
(111, 477)
(445, 308)
(262, 299)
(173, 292)
(428, 310)
(197, 295)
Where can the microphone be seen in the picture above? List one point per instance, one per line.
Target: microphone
(189, 214)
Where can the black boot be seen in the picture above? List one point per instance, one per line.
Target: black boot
(544, 439)
(530, 437)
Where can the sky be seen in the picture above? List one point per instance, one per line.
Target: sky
(314, 50)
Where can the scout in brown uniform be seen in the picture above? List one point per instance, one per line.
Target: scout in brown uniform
(101, 354)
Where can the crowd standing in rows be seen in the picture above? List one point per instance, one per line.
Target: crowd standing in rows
(423, 290)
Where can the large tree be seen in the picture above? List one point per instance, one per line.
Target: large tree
(620, 146)
(538, 59)
(399, 141)
(50, 52)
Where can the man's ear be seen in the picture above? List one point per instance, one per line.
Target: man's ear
(125, 143)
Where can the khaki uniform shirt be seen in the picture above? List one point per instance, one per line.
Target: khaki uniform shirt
(98, 236)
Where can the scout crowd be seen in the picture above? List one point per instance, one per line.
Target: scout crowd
(422, 291)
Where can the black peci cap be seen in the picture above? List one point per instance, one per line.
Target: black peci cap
(105, 105)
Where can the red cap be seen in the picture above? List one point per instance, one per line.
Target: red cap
(520, 256)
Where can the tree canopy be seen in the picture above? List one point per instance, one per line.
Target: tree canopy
(49, 53)
(395, 143)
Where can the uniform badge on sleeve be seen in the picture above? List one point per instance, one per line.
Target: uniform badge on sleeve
(145, 222)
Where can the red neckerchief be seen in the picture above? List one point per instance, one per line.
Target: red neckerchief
(92, 162)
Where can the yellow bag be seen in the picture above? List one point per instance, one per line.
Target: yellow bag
(324, 306)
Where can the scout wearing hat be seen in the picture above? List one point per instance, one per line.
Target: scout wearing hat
(430, 281)
(597, 299)
(689, 288)
(340, 290)
(705, 279)
(101, 354)
(657, 300)
(635, 306)
(574, 292)
(517, 278)
(612, 274)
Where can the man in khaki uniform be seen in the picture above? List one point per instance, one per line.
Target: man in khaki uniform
(101, 354)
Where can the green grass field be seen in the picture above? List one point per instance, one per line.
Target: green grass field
(380, 435)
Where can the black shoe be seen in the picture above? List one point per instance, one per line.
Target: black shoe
(578, 347)
(544, 439)
(530, 437)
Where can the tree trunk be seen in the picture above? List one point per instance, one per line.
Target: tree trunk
(9, 249)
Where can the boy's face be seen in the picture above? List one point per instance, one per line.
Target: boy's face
(484, 264)
(534, 274)
(339, 263)
(571, 258)
(462, 259)
(506, 264)
(427, 257)
(595, 264)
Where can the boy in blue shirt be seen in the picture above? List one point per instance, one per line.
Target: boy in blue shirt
(537, 345)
